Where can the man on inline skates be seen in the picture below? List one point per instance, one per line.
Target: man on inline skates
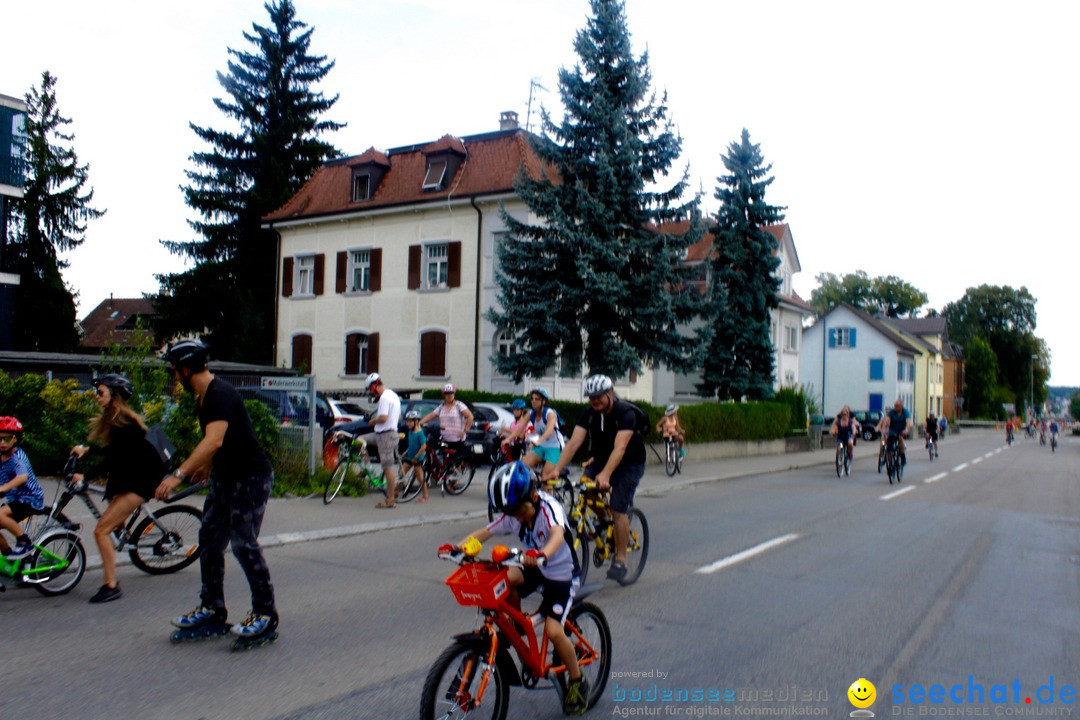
(233, 512)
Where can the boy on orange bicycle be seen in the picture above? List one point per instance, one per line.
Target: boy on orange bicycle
(539, 521)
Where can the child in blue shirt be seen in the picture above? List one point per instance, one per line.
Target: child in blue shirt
(417, 451)
(20, 488)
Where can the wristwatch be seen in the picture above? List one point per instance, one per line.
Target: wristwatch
(179, 475)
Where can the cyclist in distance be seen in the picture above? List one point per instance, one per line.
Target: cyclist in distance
(539, 521)
(132, 465)
(898, 424)
(19, 486)
(385, 437)
(618, 450)
(670, 427)
(845, 428)
(931, 430)
(239, 490)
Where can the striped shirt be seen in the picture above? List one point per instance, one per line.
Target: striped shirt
(30, 492)
(452, 421)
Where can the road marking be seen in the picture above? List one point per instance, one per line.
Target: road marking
(989, 455)
(959, 467)
(976, 461)
(746, 554)
(935, 478)
(897, 493)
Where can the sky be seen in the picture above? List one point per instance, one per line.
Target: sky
(932, 140)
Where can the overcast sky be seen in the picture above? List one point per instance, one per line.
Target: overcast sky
(936, 141)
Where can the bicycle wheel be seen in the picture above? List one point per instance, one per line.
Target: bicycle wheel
(57, 565)
(669, 457)
(333, 485)
(453, 681)
(930, 448)
(840, 460)
(899, 468)
(583, 548)
(847, 463)
(588, 629)
(890, 466)
(458, 479)
(637, 550)
(408, 485)
(169, 543)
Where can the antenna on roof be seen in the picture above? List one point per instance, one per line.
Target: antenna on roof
(533, 85)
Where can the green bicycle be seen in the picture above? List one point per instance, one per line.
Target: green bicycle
(351, 465)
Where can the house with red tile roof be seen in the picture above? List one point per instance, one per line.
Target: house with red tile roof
(786, 323)
(114, 322)
(387, 264)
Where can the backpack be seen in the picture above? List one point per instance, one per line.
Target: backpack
(641, 420)
(155, 435)
(560, 424)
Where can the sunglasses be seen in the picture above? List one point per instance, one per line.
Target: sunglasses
(7, 438)
(100, 392)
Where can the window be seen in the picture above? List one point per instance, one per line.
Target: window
(436, 266)
(900, 370)
(359, 271)
(433, 354)
(304, 277)
(361, 188)
(911, 372)
(505, 345)
(842, 337)
(361, 353)
(877, 402)
(436, 171)
(877, 368)
(791, 338)
(301, 352)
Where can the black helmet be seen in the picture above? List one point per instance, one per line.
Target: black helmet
(119, 384)
(191, 354)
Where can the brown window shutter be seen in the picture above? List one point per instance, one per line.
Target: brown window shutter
(352, 353)
(286, 277)
(301, 352)
(373, 352)
(414, 267)
(375, 258)
(320, 270)
(342, 267)
(453, 264)
(433, 354)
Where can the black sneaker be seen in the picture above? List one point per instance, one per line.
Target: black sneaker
(106, 593)
(576, 701)
(22, 549)
(617, 571)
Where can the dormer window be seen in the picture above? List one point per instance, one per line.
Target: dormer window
(361, 187)
(436, 171)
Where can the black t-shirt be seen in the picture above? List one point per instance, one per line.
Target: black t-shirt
(239, 455)
(603, 427)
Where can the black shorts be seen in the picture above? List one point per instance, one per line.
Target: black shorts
(555, 602)
(624, 483)
(21, 511)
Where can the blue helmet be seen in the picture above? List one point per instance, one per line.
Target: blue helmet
(518, 404)
(511, 485)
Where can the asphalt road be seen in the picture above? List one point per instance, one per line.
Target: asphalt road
(763, 596)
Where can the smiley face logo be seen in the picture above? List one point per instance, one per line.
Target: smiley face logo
(862, 693)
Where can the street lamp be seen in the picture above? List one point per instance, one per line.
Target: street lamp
(1031, 390)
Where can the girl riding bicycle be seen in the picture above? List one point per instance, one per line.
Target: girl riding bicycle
(670, 427)
(133, 466)
(540, 522)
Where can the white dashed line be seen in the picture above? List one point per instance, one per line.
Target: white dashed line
(746, 554)
(897, 493)
(935, 478)
(959, 467)
(990, 454)
(976, 461)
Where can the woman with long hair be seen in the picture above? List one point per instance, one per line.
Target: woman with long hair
(133, 466)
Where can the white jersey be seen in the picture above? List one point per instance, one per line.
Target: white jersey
(549, 514)
(390, 406)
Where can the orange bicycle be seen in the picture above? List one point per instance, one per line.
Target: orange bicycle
(472, 677)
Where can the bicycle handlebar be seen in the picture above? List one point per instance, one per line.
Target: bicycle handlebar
(190, 490)
(455, 554)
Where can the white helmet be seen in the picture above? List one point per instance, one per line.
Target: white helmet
(372, 379)
(597, 385)
(671, 409)
(448, 388)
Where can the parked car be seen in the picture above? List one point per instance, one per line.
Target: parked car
(344, 411)
(868, 420)
(497, 416)
(290, 407)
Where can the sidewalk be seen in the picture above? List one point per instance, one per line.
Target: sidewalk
(294, 520)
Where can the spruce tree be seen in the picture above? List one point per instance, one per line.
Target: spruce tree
(50, 218)
(595, 283)
(742, 288)
(230, 291)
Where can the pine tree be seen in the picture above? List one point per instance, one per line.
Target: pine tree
(742, 289)
(230, 291)
(595, 282)
(50, 218)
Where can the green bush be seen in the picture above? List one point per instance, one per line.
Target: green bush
(55, 414)
(795, 399)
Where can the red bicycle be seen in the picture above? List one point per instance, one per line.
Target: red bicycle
(472, 677)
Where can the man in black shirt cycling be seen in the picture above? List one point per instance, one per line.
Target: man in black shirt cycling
(239, 489)
(618, 453)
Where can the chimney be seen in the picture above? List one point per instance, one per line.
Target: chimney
(508, 120)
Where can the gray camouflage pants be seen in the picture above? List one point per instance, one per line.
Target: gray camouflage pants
(234, 515)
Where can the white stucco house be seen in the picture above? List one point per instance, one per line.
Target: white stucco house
(852, 358)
